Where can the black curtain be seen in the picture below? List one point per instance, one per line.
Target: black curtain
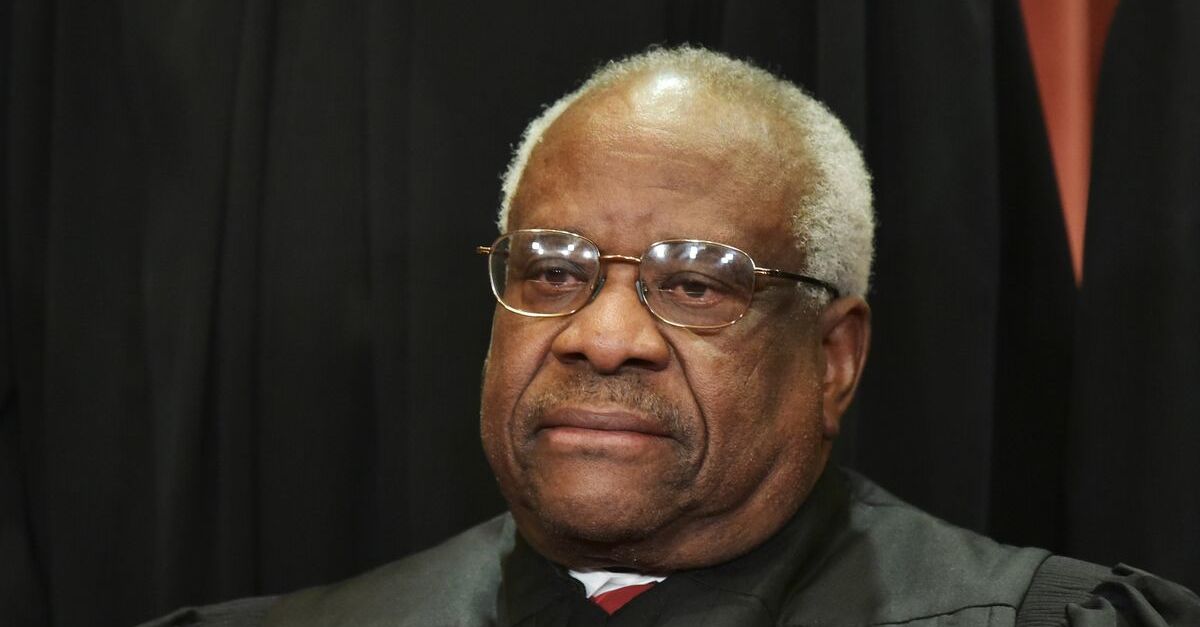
(242, 326)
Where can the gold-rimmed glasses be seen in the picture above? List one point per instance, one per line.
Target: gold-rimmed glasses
(689, 283)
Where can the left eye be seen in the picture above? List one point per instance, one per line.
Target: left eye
(692, 289)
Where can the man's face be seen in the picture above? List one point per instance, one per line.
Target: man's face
(619, 440)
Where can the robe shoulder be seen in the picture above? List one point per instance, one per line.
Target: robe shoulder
(891, 563)
(452, 584)
(897, 565)
(240, 613)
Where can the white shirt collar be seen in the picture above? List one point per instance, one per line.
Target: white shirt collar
(601, 581)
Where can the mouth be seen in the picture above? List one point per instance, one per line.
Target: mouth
(599, 428)
(603, 420)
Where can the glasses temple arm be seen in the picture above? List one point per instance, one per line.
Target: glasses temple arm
(784, 274)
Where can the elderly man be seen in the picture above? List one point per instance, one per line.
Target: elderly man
(680, 327)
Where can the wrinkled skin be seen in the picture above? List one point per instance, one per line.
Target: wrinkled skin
(618, 440)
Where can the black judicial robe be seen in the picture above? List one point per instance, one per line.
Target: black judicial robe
(852, 556)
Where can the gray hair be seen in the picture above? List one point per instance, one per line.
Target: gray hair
(833, 222)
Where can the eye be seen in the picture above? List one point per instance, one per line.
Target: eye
(555, 275)
(692, 289)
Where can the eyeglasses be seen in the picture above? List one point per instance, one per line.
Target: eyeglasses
(687, 283)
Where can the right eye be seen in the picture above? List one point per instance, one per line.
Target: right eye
(552, 285)
(557, 276)
(558, 273)
(545, 279)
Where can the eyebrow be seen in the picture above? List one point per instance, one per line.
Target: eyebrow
(569, 228)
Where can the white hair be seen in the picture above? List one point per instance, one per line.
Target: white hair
(832, 222)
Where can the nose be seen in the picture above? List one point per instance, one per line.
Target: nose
(615, 331)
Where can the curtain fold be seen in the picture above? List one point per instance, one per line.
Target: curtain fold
(1035, 321)
(25, 162)
(1132, 467)
(244, 324)
(933, 151)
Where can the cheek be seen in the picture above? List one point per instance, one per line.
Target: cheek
(761, 402)
(517, 350)
(747, 375)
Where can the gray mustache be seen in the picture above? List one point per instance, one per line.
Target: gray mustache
(629, 391)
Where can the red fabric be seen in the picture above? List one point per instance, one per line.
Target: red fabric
(613, 600)
(1066, 41)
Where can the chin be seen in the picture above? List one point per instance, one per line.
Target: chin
(600, 516)
(600, 523)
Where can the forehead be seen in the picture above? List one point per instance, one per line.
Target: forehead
(632, 166)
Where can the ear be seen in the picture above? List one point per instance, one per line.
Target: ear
(845, 326)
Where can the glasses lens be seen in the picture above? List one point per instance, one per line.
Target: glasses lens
(697, 284)
(544, 272)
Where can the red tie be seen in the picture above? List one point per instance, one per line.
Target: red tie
(613, 600)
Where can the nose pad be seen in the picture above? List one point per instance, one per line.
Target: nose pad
(596, 290)
(638, 286)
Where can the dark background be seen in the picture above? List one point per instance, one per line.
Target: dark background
(241, 324)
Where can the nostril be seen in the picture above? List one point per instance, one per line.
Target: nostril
(572, 357)
(641, 364)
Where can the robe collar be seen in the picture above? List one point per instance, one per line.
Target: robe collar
(749, 589)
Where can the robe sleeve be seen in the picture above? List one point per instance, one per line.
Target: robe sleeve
(1070, 593)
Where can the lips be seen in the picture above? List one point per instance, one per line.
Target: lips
(606, 420)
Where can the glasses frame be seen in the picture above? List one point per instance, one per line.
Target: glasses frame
(641, 289)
